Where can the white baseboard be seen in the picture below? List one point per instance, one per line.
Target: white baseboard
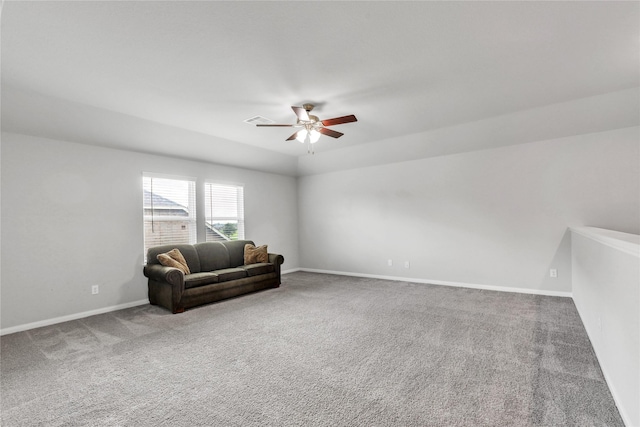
(445, 283)
(69, 317)
(76, 316)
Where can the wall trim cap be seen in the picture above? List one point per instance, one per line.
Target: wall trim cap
(625, 242)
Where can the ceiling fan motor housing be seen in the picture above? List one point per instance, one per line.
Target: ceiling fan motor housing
(312, 120)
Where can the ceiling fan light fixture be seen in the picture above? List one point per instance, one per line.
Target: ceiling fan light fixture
(311, 126)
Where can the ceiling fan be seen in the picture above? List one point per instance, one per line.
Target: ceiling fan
(312, 126)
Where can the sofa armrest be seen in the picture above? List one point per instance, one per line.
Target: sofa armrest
(161, 273)
(276, 259)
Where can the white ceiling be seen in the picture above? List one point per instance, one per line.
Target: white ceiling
(179, 78)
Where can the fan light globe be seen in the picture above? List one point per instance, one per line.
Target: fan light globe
(302, 135)
(314, 135)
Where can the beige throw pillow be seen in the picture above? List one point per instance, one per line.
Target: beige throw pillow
(254, 255)
(174, 258)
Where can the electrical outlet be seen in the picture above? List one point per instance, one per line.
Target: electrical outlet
(95, 289)
(553, 273)
(390, 262)
(407, 264)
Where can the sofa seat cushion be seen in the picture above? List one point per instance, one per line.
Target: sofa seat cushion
(200, 279)
(259, 268)
(227, 274)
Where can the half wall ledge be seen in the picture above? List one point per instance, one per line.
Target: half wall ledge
(626, 242)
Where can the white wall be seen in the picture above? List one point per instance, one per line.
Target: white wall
(493, 218)
(72, 218)
(606, 291)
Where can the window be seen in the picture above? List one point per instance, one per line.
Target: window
(224, 212)
(169, 211)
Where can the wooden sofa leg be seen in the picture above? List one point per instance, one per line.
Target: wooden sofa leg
(178, 310)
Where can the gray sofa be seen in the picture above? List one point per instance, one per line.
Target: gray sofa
(217, 272)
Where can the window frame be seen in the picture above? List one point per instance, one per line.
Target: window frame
(210, 220)
(191, 209)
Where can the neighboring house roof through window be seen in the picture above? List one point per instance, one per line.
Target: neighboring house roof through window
(166, 206)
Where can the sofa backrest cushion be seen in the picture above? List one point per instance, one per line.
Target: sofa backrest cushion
(236, 251)
(208, 256)
(188, 252)
(213, 256)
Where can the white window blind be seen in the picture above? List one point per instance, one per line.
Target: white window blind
(169, 211)
(224, 212)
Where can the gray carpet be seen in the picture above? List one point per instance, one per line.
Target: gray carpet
(321, 350)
